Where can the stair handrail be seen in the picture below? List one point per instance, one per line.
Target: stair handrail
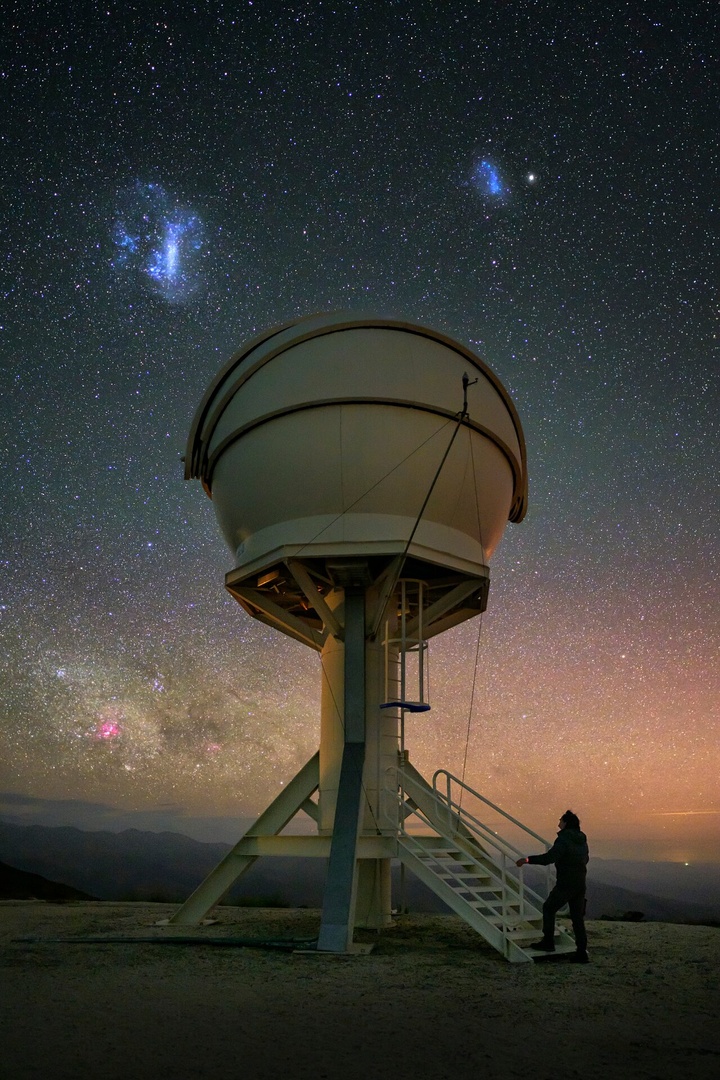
(501, 905)
(463, 814)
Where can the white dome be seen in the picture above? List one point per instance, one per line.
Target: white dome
(323, 437)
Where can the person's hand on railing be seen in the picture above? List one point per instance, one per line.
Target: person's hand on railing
(521, 862)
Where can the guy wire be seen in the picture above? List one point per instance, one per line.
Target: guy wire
(480, 625)
(401, 562)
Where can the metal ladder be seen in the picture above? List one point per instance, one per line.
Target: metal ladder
(469, 866)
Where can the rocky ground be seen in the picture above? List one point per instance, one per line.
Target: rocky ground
(431, 1000)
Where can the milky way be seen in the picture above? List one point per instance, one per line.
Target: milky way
(176, 183)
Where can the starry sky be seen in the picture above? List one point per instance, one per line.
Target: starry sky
(538, 180)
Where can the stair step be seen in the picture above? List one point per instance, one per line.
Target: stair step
(460, 872)
(477, 892)
(460, 857)
(446, 853)
(496, 918)
(458, 868)
(538, 954)
(447, 863)
(492, 905)
(482, 880)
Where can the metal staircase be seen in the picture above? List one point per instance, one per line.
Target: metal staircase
(469, 866)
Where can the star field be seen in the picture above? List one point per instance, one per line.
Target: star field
(538, 182)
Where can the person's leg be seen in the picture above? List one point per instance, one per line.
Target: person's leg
(552, 905)
(577, 904)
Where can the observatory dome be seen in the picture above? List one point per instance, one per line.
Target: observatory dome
(323, 438)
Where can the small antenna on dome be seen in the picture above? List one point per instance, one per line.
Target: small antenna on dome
(466, 382)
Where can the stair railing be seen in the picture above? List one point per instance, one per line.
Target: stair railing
(458, 815)
(501, 906)
(515, 896)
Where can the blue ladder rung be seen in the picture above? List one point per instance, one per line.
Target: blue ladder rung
(409, 706)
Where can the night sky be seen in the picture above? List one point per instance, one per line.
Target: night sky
(537, 179)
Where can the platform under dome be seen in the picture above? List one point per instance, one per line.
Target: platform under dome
(321, 437)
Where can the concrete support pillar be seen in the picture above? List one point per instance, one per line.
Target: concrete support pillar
(379, 812)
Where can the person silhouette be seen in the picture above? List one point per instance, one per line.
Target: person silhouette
(570, 854)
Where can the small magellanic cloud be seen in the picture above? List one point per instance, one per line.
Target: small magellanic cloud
(487, 180)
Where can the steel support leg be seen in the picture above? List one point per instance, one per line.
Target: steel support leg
(338, 913)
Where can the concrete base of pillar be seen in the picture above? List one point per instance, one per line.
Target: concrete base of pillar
(373, 904)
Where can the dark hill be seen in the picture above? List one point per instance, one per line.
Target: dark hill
(20, 885)
(129, 865)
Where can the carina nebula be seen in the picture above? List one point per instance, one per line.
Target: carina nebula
(159, 241)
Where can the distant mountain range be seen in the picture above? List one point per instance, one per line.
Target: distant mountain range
(129, 865)
(134, 865)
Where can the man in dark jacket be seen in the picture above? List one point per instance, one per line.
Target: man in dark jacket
(570, 855)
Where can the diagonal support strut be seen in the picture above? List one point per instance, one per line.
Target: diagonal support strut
(233, 866)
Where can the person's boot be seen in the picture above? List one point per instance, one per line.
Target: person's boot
(546, 945)
(580, 957)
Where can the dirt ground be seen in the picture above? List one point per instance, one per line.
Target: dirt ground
(431, 1000)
